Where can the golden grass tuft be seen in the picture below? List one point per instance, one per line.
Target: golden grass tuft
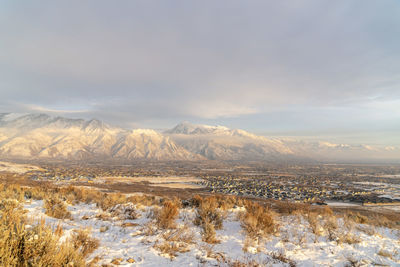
(175, 241)
(110, 200)
(207, 212)
(288, 208)
(258, 221)
(166, 216)
(55, 207)
(124, 211)
(25, 245)
(82, 241)
(209, 218)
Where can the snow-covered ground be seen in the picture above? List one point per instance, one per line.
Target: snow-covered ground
(378, 246)
(17, 168)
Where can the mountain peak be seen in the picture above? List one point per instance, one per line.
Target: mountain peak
(192, 129)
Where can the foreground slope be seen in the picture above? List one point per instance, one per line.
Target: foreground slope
(301, 239)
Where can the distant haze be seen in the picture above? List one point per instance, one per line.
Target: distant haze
(308, 69)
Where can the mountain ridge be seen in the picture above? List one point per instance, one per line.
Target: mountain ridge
(43, 136)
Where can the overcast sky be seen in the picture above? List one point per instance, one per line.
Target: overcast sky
(309, 68)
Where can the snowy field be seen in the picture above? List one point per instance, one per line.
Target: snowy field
(129, 243)
(17, 168)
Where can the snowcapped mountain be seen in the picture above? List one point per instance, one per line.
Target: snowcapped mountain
(43, 136)
(219, 142)
(339, 152)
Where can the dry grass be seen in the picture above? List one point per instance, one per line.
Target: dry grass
(385, 253)
(175, 241)
(166, 216)
(196, 200)
(82, 241)
(36, 193)
(55, 207)
(281, 257)
(144, 200)
(352, 262)
(331, 227)
(110, 200)
(314, 223)
(170, 248)
(183, 234)
(15, 192)
(104, 216)
(247, 261)
(323, 221)
(348, 238)
(374, 219)
(125, 211)
(208, 233)
(222, 202)
(207, 212)
(209, 218)
(258, 220)
(210, 252)
(25, 245)
(149, 229)
(103, 229)
(288, 208)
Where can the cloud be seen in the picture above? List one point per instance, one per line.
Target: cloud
(306, 63)
(36, 108)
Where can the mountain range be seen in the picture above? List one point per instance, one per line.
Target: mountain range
(43, 136)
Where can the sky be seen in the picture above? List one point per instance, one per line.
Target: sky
(310, 68)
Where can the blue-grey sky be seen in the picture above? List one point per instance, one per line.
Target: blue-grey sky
(298, 68)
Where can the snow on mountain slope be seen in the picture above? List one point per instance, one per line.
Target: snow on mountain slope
(339, 152)
(142, 143)
(40, 135)
(44, 136)
(218, 142)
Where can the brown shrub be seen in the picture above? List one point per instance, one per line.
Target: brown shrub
(208, 233)
(385, 253)
(326, 211)
(258, 220)
(124, 211)
(59, 231)
(331, 226)
(104, 216)
(170, 248)
(149, 229)
(384, 219)
(183, 234)
(314, 223)
(196, 200)
(38, 193)
(209, 218)
(55, 207)
(175, 241)
(144, 200)
(166, 216)
(280, 256)
(110, 200)
(15, 192)
(207, 212)
(348, 238)
(356, 217)
(82, 241)
(288, 208)
(246, 263)
(23, 245)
